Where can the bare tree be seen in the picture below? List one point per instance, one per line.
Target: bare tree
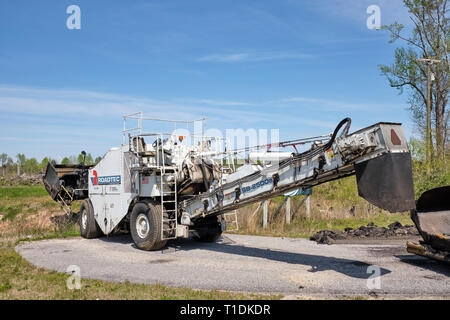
(3, 159)
(20, 161)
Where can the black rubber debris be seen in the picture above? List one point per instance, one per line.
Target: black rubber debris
(394, 230)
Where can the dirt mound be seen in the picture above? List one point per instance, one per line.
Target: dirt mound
(394, 230)
(64, 219)
(24, 179)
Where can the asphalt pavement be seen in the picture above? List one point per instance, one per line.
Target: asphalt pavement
(292, 267)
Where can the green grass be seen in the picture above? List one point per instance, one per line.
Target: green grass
(9, 213)
(22, 192)
(439, 175)
(66, 231)
(343, 191)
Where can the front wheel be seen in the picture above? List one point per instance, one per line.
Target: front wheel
(89, 228)
(145, 226)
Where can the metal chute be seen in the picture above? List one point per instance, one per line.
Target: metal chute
(386, 181)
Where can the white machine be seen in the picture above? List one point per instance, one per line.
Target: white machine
(160, 186)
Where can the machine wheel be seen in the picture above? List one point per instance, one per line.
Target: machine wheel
(145, 226)
(89, 228)
(209, 230)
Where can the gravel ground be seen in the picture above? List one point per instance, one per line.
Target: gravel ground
(293, 267)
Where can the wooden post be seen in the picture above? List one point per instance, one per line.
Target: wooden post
(265, 215)
(307, 208)
(288, 210)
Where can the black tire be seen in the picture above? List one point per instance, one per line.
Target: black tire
(145, 226)
(208, 230)
(89, 228)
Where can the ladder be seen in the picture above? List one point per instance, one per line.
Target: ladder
(168, 192)
(66, 207)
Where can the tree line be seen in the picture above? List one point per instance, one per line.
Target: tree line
(21, 164)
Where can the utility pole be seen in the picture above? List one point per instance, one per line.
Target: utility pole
(428, 140)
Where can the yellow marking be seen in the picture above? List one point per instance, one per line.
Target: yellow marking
(330, 153)
(67, 193)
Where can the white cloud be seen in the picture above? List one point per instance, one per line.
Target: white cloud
(253, 57)
(325, 104)
(80, 103)
(222, 102)
(101, 107)
(44, 121)
(334, 105)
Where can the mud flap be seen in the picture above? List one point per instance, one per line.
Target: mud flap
(386, 181)
(432, 217)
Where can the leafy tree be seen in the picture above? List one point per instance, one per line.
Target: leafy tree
(89, 159)
(21, 159)
(73, 159)
(417, 148)
(429, 40)
(43, 163)
(31, 166)
(65, 161)
(97, 160)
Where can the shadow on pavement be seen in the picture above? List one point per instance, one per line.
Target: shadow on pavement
(425, 263)
(351, 268)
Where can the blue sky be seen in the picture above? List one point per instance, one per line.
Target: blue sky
(296, 66)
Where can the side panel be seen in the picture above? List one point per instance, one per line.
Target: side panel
(111, 188)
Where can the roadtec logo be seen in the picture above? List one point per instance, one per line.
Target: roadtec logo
(104, 180)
